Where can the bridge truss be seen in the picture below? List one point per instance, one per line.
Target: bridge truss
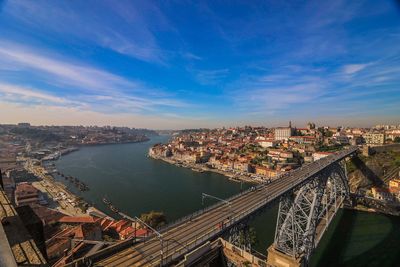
(306, 211)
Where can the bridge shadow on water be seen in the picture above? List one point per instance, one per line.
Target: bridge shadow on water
(358, 238)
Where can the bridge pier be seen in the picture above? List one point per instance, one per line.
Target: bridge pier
(280, 259)
(304, 215)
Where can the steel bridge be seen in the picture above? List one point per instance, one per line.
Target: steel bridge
(309, 198)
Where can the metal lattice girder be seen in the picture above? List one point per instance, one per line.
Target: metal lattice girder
(239, 236)
(302, 209)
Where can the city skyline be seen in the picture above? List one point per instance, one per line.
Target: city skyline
(179, 65)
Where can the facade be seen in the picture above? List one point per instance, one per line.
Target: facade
(26, 194)
(394, 188)
(319, 155)
(381, 193)
(374, 138)
(268, 143)
(266, 172)
(283, 133)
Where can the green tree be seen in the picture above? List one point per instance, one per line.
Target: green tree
(397, 139)
(249, 237)
(397, 161)
(154, 218)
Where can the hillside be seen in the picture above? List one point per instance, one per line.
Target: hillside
(364, 171)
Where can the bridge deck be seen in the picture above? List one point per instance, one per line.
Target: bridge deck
(188, 234)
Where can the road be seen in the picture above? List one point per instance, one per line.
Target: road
(176, 241)
(53, 189)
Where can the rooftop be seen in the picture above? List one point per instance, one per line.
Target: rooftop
(23, 247)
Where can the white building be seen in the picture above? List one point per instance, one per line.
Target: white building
(283, 133)
(319, 155)
(267, 143)
(374, 138)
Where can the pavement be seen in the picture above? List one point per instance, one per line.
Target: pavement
(54, 191)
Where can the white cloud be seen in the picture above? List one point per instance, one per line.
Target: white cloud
(86, 82)
(273, 78)
(207, 77)
(123, 27)
(354, 68)
(17, 92)
(72, 73)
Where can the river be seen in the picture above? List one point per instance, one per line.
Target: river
(137, 184)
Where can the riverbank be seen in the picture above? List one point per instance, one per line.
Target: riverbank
(69, 149)
(137, 184)
(115, 143)
(59, 196)
(392, 212)
(203, 168)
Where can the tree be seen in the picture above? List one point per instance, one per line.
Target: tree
(154, 218)
(397, 139)
(248, 237)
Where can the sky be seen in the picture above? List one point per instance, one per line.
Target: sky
(191, 64)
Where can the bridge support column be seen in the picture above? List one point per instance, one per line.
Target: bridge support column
(279, 259)
(304, 215)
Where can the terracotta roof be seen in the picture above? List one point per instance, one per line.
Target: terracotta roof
(71, 219)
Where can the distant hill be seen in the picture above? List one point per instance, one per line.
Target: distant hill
(146, 132)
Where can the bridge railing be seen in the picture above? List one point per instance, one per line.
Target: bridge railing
(204, 210)
(214, 232)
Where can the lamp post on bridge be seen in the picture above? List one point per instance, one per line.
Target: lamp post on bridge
(204, 195)
(159, 235)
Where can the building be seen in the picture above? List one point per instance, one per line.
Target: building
(394, 185)
(372, 138)
(381, 193)
(394, 188)
(17, 232)
(319, 155)
(266, 172)
(26, 194)
(267, 143)
(283, 133)
(341, 139)
(20, 175)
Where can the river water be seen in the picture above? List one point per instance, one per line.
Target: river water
(137, 184)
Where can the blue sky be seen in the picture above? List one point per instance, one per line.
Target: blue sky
(181, 64)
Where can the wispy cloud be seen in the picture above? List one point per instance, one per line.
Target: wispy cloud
(270, 99)
(95, 22)
(14, 92)
(345, 88)
(95, 87)
(66, 71)
(353, 68)
(191, 56)
(210, 77)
